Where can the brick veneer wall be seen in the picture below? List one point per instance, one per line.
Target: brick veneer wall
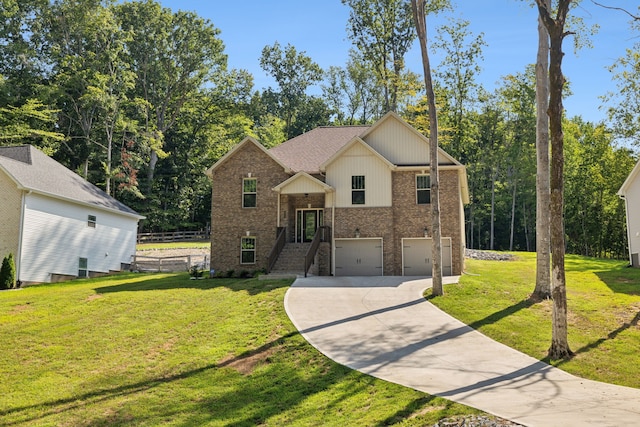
(230, 221)
(404, 219)
(411, 218)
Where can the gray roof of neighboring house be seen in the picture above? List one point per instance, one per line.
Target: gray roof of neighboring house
(308, 151)
(33, 170)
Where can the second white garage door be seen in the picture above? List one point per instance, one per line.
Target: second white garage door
(358, 257)
(416, 257)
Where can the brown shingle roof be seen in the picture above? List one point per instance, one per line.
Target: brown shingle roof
(308, 151)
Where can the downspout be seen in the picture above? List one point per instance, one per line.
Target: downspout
(278, 220)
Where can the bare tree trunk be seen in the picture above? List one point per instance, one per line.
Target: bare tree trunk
(543, 257)
(493, 207)
(559, 338)
(513, 211)
(436, 252)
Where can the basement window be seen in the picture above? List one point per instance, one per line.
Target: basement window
(83, 270)
(248, 250)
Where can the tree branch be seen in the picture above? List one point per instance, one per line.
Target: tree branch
(635, 17)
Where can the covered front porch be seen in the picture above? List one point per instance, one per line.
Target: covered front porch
(302, 219)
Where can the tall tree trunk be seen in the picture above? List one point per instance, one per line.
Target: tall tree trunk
(543, 256)
(493, 206)
(513, 211)
(436, 252)
(559, 338)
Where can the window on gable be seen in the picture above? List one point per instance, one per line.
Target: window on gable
(357, 190)
(248, 250)
(83, 270)
(423, 189)
(249, 192)
(91, 221)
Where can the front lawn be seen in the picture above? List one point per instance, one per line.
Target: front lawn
(603, 304)
(149, 350)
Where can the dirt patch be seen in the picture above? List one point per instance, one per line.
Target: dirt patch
(247, 364)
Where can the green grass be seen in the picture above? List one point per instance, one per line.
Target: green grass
(603, 313)
(174, 245)
(149, 350)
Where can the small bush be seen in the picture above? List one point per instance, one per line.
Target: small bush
(8, 273)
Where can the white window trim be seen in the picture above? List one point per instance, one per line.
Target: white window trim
(423, 189)
(242, 250)
(245, 192)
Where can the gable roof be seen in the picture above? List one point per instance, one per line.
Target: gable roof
(305, 180)
(237, 147)
(443, 156)
(347, 146)
(308, 151)
(32, 170)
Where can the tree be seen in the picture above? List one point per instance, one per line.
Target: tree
(555, 26)
(457, 74)
(294, 72)
(383, 31)
(8, 273)
(420, 19)
(173, 56)
(542, 289)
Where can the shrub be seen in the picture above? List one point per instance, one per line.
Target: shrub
(8, 273)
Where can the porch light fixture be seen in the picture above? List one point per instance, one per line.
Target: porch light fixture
(426, 232)
(357, 232)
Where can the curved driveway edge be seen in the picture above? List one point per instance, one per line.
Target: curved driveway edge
(382, 326)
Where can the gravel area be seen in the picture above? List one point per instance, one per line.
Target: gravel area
(475, 421)
(488, 255)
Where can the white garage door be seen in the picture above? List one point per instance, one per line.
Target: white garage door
(358, 257)
(416, 257)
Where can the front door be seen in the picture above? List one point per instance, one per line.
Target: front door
(308, 221)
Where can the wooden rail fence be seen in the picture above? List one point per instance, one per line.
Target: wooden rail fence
(173, 236)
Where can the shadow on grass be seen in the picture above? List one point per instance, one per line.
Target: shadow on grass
(150, 282)
(220, 393)
(610, 336)
(623, 280)
(52, 407)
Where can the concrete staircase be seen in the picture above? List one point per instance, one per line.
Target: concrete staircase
(291, 259)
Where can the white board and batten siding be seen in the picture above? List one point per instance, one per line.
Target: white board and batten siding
(358, 257)
(407, 147)
(359, 160)
(417, 260)
(56, 235)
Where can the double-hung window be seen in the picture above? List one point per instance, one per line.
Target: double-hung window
(357, 190)
(249, 192)
(423, 189)
(91, 221)
(248, 250)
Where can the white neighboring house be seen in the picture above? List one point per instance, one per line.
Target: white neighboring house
(57, 225)
(630, 193)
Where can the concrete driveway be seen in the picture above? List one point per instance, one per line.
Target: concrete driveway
(382, 326)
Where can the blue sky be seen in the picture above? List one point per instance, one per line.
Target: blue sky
(509, 26)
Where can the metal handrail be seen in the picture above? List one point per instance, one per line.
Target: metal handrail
(277, 248)
(320, 236)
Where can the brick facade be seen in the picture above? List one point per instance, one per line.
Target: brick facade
(402, 218)
(230, 221)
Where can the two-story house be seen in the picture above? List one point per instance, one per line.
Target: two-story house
(364, 191)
